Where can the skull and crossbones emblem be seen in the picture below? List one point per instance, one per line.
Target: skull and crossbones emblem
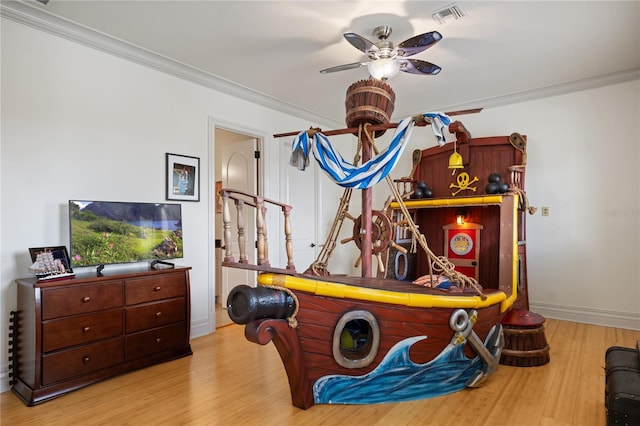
(463, 183)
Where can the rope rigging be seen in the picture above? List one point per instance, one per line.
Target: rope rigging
(299, 157)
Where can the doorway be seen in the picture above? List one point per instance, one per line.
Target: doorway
(236, 167)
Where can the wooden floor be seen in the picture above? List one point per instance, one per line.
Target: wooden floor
(229, 381)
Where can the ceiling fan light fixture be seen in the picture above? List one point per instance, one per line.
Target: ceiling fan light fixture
(383, 69)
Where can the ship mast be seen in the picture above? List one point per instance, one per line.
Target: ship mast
(369, 102)
(366, 248)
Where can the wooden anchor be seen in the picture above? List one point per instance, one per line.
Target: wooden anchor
(462, 323)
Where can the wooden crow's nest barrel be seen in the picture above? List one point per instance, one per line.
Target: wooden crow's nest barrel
(369, 101)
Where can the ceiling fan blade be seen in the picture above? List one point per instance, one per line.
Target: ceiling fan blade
(418, 43)
(416, 66)
(361, 43)
(344, 67)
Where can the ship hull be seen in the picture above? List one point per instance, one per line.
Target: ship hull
(312, 351)
(361, 340)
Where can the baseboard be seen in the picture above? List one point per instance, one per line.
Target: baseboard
(4, 380)
(602, 317)
(201, 328)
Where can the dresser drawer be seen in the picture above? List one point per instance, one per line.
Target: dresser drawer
(61, 302)
(82, 360)
(148, 289)
(156, 340)
(61, 333)
(153, 315)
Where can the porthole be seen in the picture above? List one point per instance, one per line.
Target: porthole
(356, 339)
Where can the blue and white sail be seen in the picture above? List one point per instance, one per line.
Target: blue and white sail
(369, 173)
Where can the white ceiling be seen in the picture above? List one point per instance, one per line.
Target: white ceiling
(501, 52)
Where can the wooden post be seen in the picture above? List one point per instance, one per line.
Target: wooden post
(226, 223)
(263, 212)
(259, 230)
(286, 210)
(241, 237)
(366, 248)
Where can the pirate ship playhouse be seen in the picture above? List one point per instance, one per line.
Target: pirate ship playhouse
(442, 266)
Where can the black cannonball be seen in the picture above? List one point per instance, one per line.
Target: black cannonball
(427, 193)
(492, 188)
(503, 187)
(421, 185)
(494, 178)
(418, 193)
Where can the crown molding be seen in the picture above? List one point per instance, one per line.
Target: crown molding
(33, 16)
(550, 91)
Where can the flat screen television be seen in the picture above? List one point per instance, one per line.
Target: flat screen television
(108, 232)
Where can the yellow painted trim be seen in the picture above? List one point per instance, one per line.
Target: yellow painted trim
(506, 304)
(345, 291)
(450, 202)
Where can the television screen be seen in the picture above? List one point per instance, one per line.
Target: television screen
(107, 232)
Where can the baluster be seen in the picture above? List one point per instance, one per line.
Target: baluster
(516, 177)
(226, 223)
(519, 178)
(260, 229)
(241, 236)
(266, 243)
(287, 235)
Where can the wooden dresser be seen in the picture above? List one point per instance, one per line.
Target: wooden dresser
(75, 332)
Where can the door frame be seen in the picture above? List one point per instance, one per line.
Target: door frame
(261, 136)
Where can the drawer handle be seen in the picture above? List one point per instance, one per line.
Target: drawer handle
(157, 288)
(158, 339)
(86, 329)
(86, 299)
(86, 359)
(158, 314)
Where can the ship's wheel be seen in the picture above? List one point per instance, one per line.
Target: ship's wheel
(381, 235)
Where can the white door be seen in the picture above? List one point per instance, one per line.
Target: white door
(299, 190)
(239, 172)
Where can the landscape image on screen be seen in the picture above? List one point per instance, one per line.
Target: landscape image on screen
(105, 232)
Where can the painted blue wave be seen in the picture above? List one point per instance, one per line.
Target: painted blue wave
(397, 378)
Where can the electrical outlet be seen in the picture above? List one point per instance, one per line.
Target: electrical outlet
(545, 211)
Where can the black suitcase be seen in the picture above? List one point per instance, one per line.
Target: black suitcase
(622, 386)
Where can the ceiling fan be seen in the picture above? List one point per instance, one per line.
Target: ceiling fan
(386, 59)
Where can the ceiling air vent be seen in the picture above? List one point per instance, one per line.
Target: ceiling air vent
(453, 11)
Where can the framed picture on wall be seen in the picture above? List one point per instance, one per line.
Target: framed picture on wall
(183, 178)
